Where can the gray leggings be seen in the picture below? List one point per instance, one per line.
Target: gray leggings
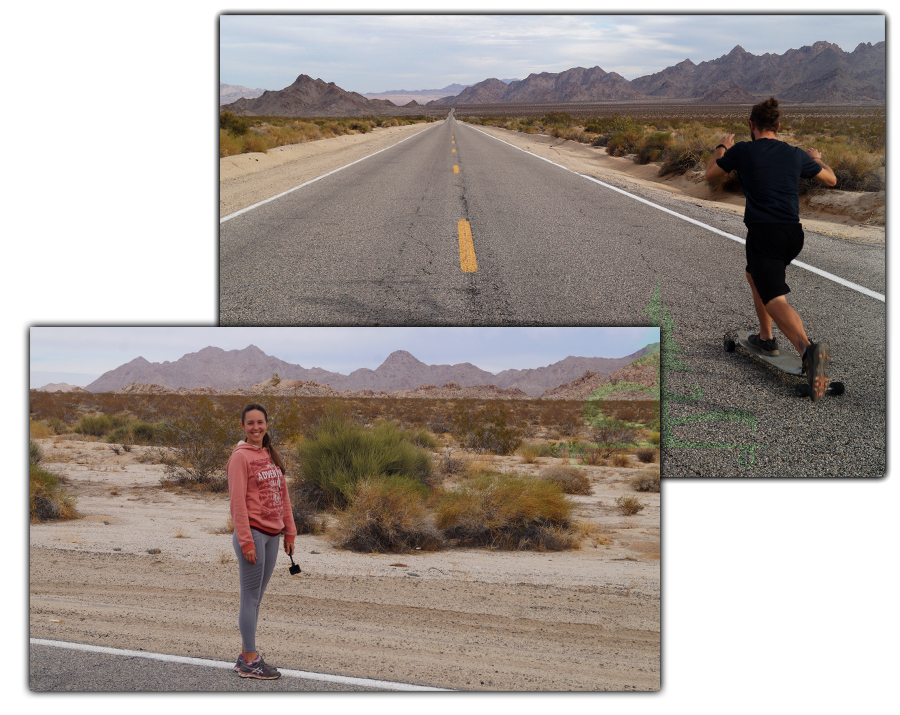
(254, 578)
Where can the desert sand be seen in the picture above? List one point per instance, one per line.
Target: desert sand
(471, 619)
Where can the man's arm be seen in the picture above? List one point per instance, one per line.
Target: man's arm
(713, 170)
(826, 175)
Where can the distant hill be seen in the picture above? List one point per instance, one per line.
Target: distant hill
(231, 92)
(308, 97)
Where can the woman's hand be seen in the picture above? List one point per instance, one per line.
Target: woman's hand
(250, 556)
(289, 549)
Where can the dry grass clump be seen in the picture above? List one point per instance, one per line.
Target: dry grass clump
(647, 456)
(571, 480)
(621, 460)
(450, 466)
(647, 480)
(628, 506)
(531, 452)
(510, 512)
(226, 528)
(387, 516)
(306, 502)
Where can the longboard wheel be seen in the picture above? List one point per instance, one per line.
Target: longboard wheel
(836, 388)
(729, 345)
(803, 390)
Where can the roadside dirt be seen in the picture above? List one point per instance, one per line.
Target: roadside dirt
(587, 619)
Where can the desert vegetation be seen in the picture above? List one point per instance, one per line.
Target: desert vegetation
(387, 474)
(47, 496)
(681, 138)
(240, 135)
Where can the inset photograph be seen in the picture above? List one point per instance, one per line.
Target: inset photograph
(345, 508)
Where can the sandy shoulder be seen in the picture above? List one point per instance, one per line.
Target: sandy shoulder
(249, 178)
(444, 618)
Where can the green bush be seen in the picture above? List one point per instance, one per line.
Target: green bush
(233, 124)
(387, 515)
(510, 512)
(137, 432)
(340, 454)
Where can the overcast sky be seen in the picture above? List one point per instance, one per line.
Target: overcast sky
(376, 53)
(80, 355)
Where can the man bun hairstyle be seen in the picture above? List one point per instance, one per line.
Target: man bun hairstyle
(765, 115)
(267, 440)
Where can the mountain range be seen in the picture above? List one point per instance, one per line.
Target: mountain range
(223, 370)
(819, 73)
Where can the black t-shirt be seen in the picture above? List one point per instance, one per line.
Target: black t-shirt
(770, 172)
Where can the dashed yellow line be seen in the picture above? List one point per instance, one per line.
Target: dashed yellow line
(455, 169)
(466, 248)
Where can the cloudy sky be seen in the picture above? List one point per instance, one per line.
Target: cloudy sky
(376, 53)
(79, 355)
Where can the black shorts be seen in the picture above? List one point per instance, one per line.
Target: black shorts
(770, 248)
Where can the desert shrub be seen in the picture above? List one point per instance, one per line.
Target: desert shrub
(620, 460)
(571, 480)
(232, 123)
(647, 480)
(629, 506)
(420, 437)
(387, 515)
(340, 453)
(35, 453)
(137, 432)
(198, 445)
(647, 456)
(47, 498)
(611, 438)
(653, 147)
(654, 437)
(506, 511)
(450, 466)
(486, 428)
(531, 452)
(623, 142)
(94, 425)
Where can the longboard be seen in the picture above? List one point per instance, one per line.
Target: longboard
(786, 362)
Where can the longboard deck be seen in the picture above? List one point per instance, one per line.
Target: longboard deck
(788, 362)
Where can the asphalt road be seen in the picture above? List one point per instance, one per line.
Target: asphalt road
(379, 244)
(54, 669)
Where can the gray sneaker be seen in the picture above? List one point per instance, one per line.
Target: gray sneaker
(256, 669)
(766, 347)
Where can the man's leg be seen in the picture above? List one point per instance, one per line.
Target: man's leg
(788, 322)
(765, 320)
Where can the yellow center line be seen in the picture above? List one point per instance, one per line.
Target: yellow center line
(466, 248)
(453, 150)
(455, 169)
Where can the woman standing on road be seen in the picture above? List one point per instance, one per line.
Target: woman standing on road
(261, 512)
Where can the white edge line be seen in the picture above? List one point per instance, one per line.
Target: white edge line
(812, 269)
(312, 181)
(304, 675)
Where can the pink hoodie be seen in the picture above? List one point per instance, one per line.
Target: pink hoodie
(259, 496)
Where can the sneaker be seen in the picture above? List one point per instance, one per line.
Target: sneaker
(815, 364)
(766, 347)
(257, 669)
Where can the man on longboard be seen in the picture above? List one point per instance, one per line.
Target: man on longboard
(770, 171)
